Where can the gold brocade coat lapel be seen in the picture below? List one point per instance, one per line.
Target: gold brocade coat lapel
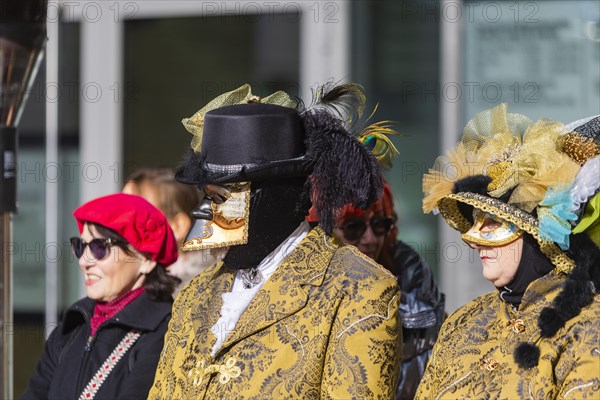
(207, 312)
(284, 293)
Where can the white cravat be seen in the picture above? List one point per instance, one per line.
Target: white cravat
(236, 301)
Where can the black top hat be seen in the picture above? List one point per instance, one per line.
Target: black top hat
(249, 142)
(260, 141)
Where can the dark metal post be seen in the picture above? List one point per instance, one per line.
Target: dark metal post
(22, 38)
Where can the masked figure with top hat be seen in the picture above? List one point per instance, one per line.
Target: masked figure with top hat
(290, 312)
(525, 196)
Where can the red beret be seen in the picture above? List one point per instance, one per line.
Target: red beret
(138, 221)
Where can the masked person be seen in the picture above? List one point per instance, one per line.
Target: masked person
(524, 196)
(290, 312)
(374, 232)
(107, 345)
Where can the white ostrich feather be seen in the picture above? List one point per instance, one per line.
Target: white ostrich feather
(586, 184)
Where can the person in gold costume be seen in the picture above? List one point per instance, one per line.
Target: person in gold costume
(290, 312)
(525, 196)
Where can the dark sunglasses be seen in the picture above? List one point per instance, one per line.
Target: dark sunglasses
(99, 247)
(354, 230)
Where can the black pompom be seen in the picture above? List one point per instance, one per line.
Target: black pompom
(550, 322)
(527, 355)
(474, 184)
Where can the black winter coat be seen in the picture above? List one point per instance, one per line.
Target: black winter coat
(421, 313)
(68, 362)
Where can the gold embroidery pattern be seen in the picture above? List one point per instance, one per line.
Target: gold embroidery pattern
(579, 147)
(197, 373)
(499, 173)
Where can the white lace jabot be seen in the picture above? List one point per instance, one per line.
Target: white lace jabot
(236, 301)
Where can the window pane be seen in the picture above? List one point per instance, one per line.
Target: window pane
(174, 66)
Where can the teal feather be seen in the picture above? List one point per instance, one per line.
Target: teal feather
(554, 217)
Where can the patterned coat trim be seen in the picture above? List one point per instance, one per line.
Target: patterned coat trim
(92, 388)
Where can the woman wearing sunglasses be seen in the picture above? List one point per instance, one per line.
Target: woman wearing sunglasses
(109, 343)
(519, 196)
(374, 233)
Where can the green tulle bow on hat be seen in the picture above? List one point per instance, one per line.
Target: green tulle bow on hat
(241, 95)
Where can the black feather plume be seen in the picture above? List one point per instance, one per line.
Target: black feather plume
(344, 170)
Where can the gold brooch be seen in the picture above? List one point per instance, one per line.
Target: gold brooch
(517, 325)
(489, 363)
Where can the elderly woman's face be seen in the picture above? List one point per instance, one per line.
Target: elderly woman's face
(115, 274)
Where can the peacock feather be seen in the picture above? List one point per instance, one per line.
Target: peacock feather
(346, 102)
(376, 137)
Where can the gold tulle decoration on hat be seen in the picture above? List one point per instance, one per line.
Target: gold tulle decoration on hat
(241, 95)
(517, 154)
(439, 182)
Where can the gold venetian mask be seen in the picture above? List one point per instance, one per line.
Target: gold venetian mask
(490, 230)
(221, 218)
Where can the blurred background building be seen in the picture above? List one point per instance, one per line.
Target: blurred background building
(119, 77)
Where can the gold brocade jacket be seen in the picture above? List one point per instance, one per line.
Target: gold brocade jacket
(473, 357)
(325, 325)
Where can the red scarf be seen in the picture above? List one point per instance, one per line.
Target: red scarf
(105, 310)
